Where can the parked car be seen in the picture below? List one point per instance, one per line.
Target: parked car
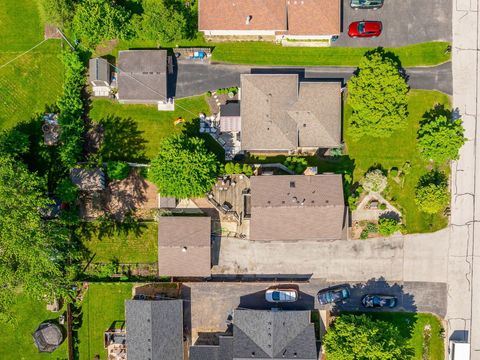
(366, 4)
(365, 29)
(333, 295)
(281, 295)
(378, 301)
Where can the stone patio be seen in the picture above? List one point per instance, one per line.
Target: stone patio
(364, 212)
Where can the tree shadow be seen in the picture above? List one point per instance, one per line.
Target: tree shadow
(433, 177)
(106, 226)
(122, 140)
(440, 110)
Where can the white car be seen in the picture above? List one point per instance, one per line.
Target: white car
(281, 295)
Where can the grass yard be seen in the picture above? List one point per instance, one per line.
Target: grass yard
(33, 80)
(434, 344)
(103, 304)
(267, 53)
(127, 246)
(394, 152)
(154, 124)
(16, 342)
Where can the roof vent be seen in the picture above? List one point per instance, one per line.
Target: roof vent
(292, 184)
(248, 19)
(184, 249)
(253, 353)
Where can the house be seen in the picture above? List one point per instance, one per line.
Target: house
(263, 334)
(154, 329)
(297, 207)
(88, 180)
(100, 76)
(184, 246)
(142, 78)
(279, 20)
(280, 113)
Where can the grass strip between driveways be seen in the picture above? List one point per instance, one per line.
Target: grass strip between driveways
(266, 53)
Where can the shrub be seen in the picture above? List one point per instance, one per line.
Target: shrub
(364, 234)
(352, 202)
(66, 191)
(247, 169)
(374, 181)
(237, 169)
(372, 228)
(336, 152)
(296, 164)
(382, 206)
(229, 168)
(431, 194)
(118, 170)
(387, 226)
(394, 172)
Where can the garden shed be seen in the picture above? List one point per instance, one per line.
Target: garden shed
(48, 337)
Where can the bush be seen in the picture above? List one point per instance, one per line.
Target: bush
(296, 164)
(431, 194)
(374, 181)
(387, 226)
(336, 152)
(382, 206)
(67, 191)
(372, 228)
(236, 168)
(247, 169)
(118, 170)
(364, 234)
(394, 172)
(352, 202)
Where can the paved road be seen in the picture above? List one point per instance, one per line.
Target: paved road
(463, 313)
(404, 22)
(194, 79)
(210, 303)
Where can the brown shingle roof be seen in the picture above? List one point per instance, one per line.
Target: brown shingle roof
(313, 17)
(232, 15)
(304, 17)
(184, 246)
(279, 113)
(297, 207)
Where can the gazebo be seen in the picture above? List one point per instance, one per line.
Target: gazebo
(48, 337)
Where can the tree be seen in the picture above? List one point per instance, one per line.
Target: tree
(377, 95)
(359, 337)
(163, 20)
(374, 181)
(184, 168)
(71, 108)
(118, 170)
(440, 138)
(14, 142)
(67, 191)
(431, 194)
(98, 20)
(33, 250)
(387, 226)
(58, 12)
(296, 164)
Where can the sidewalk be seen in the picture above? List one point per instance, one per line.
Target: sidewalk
(463, 267)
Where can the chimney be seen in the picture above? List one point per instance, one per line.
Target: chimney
(248, 19)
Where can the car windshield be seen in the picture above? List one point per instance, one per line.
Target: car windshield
(276, 296)
(361, 27)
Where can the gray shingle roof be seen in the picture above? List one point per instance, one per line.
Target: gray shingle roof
(280, 113)
(297, 207)
(142, 76)
(154, 329)
(99, 70)
(184, 246)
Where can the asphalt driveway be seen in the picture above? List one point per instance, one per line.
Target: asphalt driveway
(194, 79)
(404, 22)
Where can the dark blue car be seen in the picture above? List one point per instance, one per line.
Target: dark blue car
(333, 295)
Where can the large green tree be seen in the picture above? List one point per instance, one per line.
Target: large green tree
(163, 20)
(98, 20)
(377, 94)
(58, 12)
(184, 168)
(440, 138)
(431, 194)
(358, 337)
(32, 250)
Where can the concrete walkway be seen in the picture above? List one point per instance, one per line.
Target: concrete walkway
(463, 313)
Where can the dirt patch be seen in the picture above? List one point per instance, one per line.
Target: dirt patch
(51, 32)
(106, 47)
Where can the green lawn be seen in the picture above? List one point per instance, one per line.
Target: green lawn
(16, 342)
(394, 152)
(266, 53)
(127, 246)
(154, 124)
(415, 334)
(103, 304)
(30, 82)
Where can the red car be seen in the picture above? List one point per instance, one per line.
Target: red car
(365, 29)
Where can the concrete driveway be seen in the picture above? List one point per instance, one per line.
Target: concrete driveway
(210, 303)
(404, 22)
(195, 79)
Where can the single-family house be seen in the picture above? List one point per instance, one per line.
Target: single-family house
(88, 179)
(100, 76)
(154, 329)
(263, 334)
(297, 207)
(280, 113)
(184, 246)
(280, 20)
(142, 78)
